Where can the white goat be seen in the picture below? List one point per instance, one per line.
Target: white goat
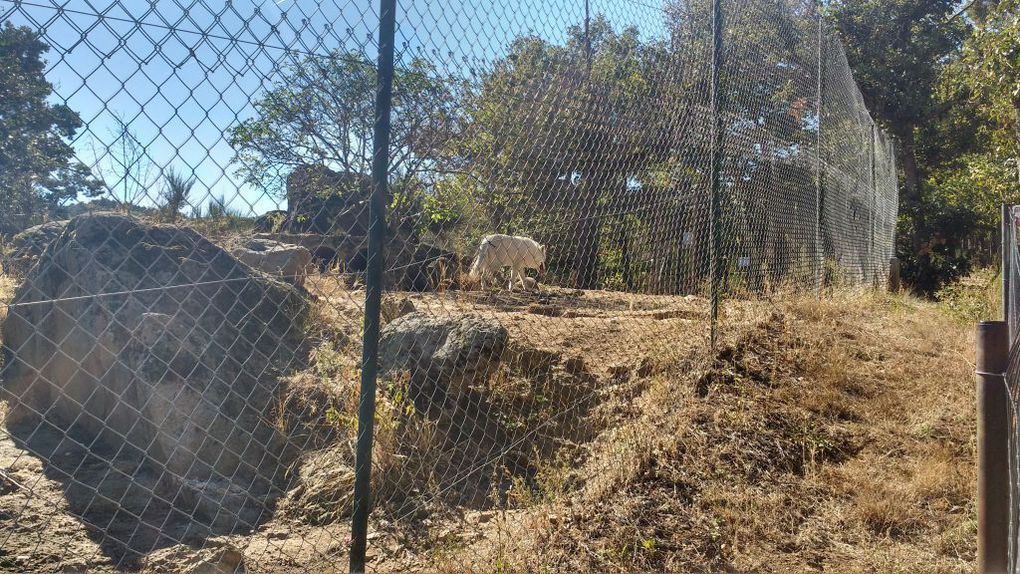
(499, 251)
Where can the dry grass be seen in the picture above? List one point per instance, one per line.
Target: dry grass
(834, 436)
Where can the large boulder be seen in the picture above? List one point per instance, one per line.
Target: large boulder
(320, 200)
(327, 251)
(425, 268)
(443, 355)
(270, 221)
(150, 344)
(28, 246)
(288, 262)
(13, 223)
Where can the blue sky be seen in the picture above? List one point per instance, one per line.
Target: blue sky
(180, 73)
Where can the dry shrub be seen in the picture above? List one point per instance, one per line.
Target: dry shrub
(832, 435)
(429, 459)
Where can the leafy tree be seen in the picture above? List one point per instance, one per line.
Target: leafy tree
(899, 51)
(37, 167)
(992, 60)
(321, 112)
(563, 139)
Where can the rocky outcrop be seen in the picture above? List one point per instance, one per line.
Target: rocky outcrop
(426, 268)
(151, 344)
(28, 246)
(445, 355)
(287, 262)
(270, 221)
(320, 200)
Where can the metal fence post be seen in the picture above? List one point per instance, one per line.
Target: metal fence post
(819, 163)
(373, 287)
(872, 259)
(717, 126)
(1006, 267)
(992, 447)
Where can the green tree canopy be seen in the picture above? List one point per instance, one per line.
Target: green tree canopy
(558, 137)
(38, 170)
(992, 72)
(320, 112)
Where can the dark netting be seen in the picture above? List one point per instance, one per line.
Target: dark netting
(581, 199)
(1011, 251)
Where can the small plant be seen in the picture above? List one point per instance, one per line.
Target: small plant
(175, 194)
(218, 209)
(972, 298)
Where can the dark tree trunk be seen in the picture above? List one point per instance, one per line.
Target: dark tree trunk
(911, 185)
(922, 273)
(911, 172)
(586, 234)
(623, 243)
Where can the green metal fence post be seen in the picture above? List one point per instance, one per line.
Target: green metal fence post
(872, 259)
(373, 287)
(1006, 264)
(717, 127)
(820, 166)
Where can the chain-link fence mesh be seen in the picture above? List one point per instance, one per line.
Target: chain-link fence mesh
(1011, 302)
(574, 192)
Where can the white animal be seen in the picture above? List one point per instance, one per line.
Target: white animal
(499, 251)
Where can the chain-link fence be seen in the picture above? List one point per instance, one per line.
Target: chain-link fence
(1011, 312)
(298, 261)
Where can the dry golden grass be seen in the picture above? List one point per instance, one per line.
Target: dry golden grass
(836, 436)
(829, 435)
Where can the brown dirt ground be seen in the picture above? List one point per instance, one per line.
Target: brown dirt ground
(832, 435)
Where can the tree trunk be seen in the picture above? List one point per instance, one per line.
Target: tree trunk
(911, 201)
(624, 246)
(586, 234)
(908, 159)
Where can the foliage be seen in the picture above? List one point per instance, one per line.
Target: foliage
(218, 209)
(321, 113)
(976, 297)
(175, 193)
(563, 139)
(38, 171)
(991, 57)
(533, 121)
(896, 48)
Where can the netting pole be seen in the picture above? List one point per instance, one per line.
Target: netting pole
(820, 163)
(1006, 268)
(715, 222)
(992, 448)
(373, 287)
(872, 259)
(587, 36)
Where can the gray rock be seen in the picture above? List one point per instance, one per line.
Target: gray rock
(288, 262)
(445, 354)
(150, 343)
(29, 245)
(270, 221)
(393, 308)
(320, 200)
